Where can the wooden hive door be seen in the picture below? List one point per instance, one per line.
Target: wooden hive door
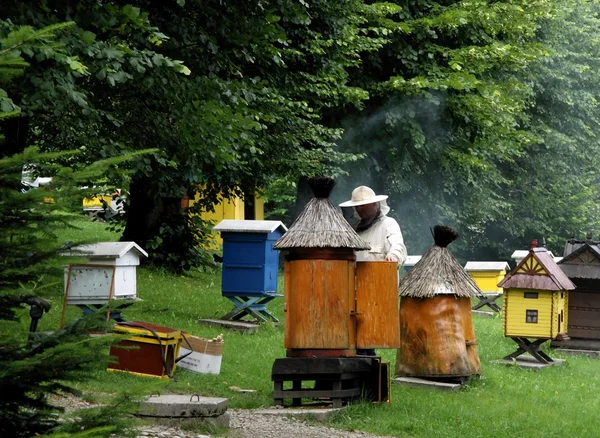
(319, 304)
(377, 318)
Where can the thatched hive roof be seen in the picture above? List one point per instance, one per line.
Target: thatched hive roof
(321, 225)
(537, 270)
(438, 272)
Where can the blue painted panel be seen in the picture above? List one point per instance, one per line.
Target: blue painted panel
(250, 264)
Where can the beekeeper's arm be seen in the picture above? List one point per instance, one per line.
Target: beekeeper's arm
(395, 242)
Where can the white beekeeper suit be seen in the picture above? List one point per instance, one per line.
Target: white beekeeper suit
(383, 234)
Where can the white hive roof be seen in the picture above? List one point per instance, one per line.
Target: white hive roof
(249, 226)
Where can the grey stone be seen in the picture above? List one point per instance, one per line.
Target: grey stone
(177, 406)
(529, 362)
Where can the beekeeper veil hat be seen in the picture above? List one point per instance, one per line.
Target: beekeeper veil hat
(363, 195)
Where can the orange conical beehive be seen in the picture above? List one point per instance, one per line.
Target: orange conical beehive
(437, 339)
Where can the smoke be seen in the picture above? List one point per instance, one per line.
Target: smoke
(403, 142)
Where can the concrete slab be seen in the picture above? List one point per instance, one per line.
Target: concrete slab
(577, 344)
(242, 326)
(573, 352)
(483, 313)
(318, 413)
(220, 421)
(529, 362)
(183, 406)
(424, 383)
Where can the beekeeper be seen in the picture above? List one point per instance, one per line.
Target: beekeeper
(381, 231)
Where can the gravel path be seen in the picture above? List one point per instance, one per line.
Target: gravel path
(244, 423)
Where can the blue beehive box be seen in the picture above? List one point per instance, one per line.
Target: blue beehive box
(250, 264)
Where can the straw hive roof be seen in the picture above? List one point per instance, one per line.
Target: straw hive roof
(545, 276)
(321, 225)
(438, 272)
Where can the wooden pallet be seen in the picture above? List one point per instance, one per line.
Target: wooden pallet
(338, 379)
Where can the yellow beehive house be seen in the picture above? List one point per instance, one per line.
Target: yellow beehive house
(487, 275)
(536, 298)
(233, 208)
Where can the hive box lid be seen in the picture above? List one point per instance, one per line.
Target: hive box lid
(107, 250)
(412, 260)
(249, 226)
(487, 266)
(520, 254)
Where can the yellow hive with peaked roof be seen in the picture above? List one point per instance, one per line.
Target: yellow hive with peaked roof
(536, 297)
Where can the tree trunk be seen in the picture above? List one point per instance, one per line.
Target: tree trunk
(147, 211)
(16, 132)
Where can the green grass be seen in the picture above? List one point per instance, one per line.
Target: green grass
(506, 402)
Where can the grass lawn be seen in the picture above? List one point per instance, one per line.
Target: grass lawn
(506, 402)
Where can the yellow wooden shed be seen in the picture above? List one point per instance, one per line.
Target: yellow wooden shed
(487, 275)
(233, 208)
(536, 297)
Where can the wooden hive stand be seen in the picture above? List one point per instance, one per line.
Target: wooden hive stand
(338, 379)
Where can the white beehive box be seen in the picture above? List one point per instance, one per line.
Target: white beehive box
(520, 254)
(91, 282)
(411, 261)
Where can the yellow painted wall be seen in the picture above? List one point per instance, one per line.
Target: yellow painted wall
(514, 314)
(232, 208)
(566, 320)
(259, 208)
(488, 281)
(96, 201)
(560, 304)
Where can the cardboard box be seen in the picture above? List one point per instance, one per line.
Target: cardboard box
(204, 357)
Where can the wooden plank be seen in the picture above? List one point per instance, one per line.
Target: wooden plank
(424, 383)
(587, 333)
(300, 366)
(287, 331)
(312, 393)
(378, 324)
(247, 327)
(318, 302)
(585, 318)
(583, 299)
(483, 313)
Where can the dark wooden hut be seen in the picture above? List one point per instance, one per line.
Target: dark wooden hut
(581, 263)
(437, 339)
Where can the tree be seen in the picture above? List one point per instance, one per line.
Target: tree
(35, 365)
(452, 124)
(263, 77)
(81, 98)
